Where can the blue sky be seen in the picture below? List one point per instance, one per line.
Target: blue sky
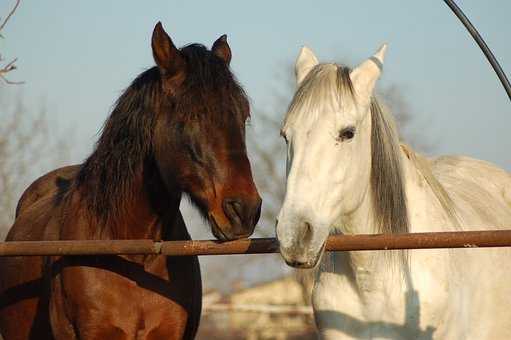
(76, 57)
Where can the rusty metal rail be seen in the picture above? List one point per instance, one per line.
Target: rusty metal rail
(465, 239)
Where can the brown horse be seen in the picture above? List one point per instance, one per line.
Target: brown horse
(179, 128)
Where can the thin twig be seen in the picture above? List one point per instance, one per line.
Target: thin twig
(10, 82)
(10, 66)
(10, 14)
(6, 69)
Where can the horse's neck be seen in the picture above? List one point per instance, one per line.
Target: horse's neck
(368, 271)
(428, 204)
(144, 212)
(356, 265)
(430, 207)
(424, 210)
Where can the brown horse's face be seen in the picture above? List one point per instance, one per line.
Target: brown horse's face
(200, 135)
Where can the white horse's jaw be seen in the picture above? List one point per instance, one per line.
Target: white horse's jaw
(297, 259)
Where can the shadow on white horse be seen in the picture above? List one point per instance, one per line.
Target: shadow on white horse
(348, 173)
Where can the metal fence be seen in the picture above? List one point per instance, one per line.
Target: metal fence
(458, 239)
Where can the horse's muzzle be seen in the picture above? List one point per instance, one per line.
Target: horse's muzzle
(243, 215)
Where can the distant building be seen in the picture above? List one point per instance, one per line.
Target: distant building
(277, 310)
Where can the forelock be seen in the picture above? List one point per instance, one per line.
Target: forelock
(325, 88)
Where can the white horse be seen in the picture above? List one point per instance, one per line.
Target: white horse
(348, 173)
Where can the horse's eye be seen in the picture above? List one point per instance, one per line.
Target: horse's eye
(346, 134)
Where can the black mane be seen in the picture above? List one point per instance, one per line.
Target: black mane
(127, 136)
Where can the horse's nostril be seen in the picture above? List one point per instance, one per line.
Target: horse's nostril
(241, 213)
(307, 231)
(237, 207)
(233, 209)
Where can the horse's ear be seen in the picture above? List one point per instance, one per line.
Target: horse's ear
(168, 58)
(304, 63)
(365, 75)
(222, 50)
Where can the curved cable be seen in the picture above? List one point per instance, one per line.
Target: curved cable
(479, 40)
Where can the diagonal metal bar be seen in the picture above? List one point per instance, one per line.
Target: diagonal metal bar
(482, 44)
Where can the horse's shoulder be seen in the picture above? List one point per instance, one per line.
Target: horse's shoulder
(47, 185)
(34, 222)
(38, 203)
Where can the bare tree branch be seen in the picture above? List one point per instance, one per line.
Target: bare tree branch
(8, 68)
(10, 14)
(11, 65)
(10, 82)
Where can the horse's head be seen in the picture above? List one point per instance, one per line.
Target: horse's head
(328, 134)
(200, 134)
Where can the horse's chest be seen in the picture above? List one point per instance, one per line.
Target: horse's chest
(141, 302)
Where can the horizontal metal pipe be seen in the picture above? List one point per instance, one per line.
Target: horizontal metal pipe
(458, 239)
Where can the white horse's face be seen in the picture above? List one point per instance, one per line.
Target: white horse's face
(328, 135)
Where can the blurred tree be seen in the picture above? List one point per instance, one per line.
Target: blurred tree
(27, 150)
